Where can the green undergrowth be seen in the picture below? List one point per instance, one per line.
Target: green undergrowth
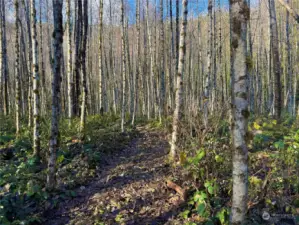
(23, 195)
(205, 158)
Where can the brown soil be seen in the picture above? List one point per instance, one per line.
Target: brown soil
(130, 189)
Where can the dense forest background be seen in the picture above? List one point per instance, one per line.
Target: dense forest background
(149, 112)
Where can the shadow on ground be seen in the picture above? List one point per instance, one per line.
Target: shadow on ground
(130, 189)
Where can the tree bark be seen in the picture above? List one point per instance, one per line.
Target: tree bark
(101, 75)
(83, 68)
(123, 50)
(58, 39)
(239, 16)
(70, 83)
(36, 79)
(3, 59)
(276, 60)
(17, 71)
(138, 64)
(179, 89)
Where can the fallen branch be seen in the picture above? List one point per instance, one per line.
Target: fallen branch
(182, 192)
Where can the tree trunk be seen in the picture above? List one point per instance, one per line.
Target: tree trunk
(17, 71)
(239, 16)
(179, 89)
(58, 38)
(123, 50)
(36, 79)
(30, 68)
(138, 64)
(209, 62)
(289, 84)
(42, 65)
(3, 59)
(78, 41)
(70, 83)
(276, 60)
(162, 63)
(83, 68)
(101, 77)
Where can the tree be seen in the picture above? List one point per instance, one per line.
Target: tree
(57, 44)
(209, 64)
(101, 74)
(239, 16)
(17, 71)
(3, 58)
(69, 62)
(83, 67)
(123, 50)
(138, 65)
(276, 60)
(78, 42)
(29, 63)
(42, 64)
(179, 90)
(162, 62)
(36, 78)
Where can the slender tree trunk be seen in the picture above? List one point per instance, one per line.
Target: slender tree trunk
(276, 60)
(83, 68)
(162, 63)
(70, 83)
(78, 42)
(239, 16)
(209, 62)
(177, 34)
(171, 57)
(4, 65)
(179, 89)
(36, 79)
(152, 58)
(58, 38)
(138, 64)
(17, 70)
(42, 65)
(101, 77)
(30, 68)
(289, 76)
(123, 49)
(220, 55)
(49, 44)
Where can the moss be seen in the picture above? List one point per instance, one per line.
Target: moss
(236, 25)
(241, 95)
(235, 42)
(245, 11)
(245, 113)
(249, 62)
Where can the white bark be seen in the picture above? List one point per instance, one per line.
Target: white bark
(239, 16)
(69, 62)
(123, 50)
(17, 70)
(179, 89)
(36, 80)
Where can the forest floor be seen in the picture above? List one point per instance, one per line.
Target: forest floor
(130, 188)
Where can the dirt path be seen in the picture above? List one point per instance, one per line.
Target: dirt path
(129, 190)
